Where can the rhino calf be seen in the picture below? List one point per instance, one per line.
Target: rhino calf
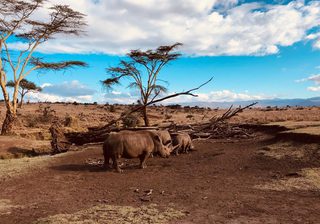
(132, 144)
(181, 143)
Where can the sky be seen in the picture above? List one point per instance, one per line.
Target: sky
(253, 49)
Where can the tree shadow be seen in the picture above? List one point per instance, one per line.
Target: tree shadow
(22, 152)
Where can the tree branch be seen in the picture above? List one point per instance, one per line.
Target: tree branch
(188, 92)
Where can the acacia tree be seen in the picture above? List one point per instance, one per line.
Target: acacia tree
(17, 23)
(143, 68)
(25, 87)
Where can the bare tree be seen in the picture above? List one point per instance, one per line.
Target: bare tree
(143, 68)
(16, 22)
(25, 87)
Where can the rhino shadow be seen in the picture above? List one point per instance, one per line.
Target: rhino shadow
(78, 168)
(92, 168)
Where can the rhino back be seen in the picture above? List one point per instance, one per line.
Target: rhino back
(128, 144)
(136, 144)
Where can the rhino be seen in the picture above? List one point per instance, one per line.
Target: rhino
(181, 143)
(165, 138)
(132, 144)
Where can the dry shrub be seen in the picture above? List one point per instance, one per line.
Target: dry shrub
(112, 108)
(133, 120)
(168, 116)
(71, 121)
(46, 115)
(117, 215)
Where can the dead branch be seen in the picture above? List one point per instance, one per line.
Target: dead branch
(226, 116)
(138, 108)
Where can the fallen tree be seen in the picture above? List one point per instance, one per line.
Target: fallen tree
(61, 141)
(217, 127)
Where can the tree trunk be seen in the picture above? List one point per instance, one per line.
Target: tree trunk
(21, 101)
(8, 123)
(145, 116)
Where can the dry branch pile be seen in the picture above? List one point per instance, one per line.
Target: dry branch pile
(218, 127)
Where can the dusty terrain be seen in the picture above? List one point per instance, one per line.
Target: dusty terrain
(264, 179)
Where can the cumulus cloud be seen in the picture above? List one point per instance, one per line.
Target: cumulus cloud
(315, 79)
(206, 27)
(120, 97)
(214, 96)
(219, 96)
(314, 88)
(66, 91)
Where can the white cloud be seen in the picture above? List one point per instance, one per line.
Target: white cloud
(45, 97)
(119, 97)
(214, 96)
(67, 89)
(66, 92)
(313, 78)
(314, 88)
(45, 85)
(219, 96)
(116, 26)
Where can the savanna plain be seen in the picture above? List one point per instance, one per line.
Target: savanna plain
(265, 169)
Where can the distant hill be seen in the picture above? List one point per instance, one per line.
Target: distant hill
(261, 103)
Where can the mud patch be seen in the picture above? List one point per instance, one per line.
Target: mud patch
(116, 215)
(307, 179)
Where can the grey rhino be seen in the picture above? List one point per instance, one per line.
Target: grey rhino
(181, 142)
(132, 144)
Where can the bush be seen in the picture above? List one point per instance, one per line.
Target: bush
(71, 121)
(133, 120)
(112, 108)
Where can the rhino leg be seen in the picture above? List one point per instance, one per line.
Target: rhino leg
(106, 164)
(143, 159)
(186, 150)
(176, 150)
(116, 164)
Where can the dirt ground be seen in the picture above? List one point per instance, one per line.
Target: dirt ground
(221, 182)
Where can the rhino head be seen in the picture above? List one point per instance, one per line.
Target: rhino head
(163, 150)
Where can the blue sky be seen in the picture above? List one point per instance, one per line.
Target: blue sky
(253, 49)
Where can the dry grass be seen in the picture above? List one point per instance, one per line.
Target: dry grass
(17, 147)
(296, 124)
(116, 215)
(308, 179)
(292, 150)
(15, 167)
(307, 130)
(6, 206)
(10, 168)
